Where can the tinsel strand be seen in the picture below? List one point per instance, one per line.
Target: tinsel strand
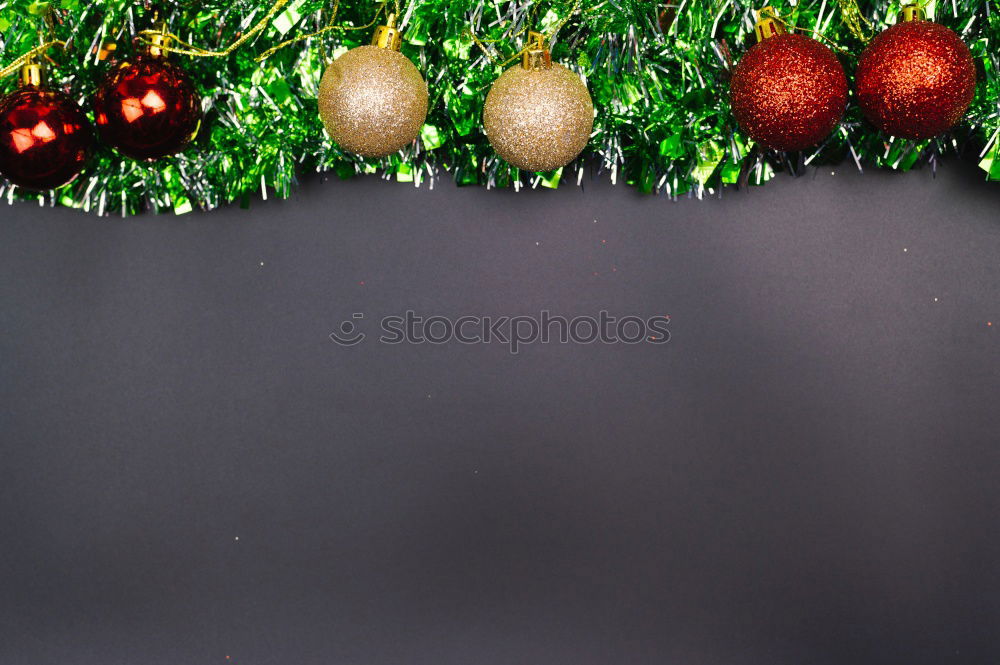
(657, 73)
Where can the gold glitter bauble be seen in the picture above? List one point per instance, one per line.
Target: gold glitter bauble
(373, 101)
(538, 119)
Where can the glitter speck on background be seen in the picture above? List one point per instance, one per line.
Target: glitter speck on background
(788, 92)
(538, 119)
(373, 101)
(915, 80)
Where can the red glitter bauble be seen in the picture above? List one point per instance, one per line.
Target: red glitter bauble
(44, 138)
(788, 92)
(915, 80)
(147, 109)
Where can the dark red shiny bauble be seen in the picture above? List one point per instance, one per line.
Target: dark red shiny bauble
(788, 92)
(147, 109)
(915, 80)
(44, 138)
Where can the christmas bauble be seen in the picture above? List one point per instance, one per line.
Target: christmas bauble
(373, 101)
(147, 109)
(538, 118)
(44, 138)
(788, 92)
(915, 80)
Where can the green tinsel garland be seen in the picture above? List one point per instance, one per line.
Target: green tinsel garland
(659, 87)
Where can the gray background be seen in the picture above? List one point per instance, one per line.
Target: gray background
(193, 473)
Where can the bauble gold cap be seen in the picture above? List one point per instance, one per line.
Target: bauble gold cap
(913, 13)
(159, 42)
(32, 74)
(536, 55)
(768, 24)
(387, 36)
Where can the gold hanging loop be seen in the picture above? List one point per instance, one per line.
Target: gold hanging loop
(29, 57)
(162, 41)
